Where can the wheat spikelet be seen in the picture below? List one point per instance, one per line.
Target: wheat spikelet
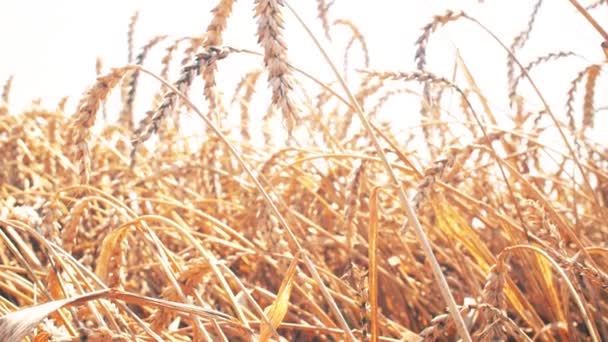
(445, 169)
(596, 4)
(427, 30)
(522, 38)
(130, 34)
(538, 219)
(126, 114)
(52, 212)
(214, 38)
(270, 24)
(168, 57)
(357, 36)
(166, 65)
(190, 51)
(438, 330)
(588, 108)
(188, 55)
(357, 278)
(420, 76)
(162, 317)
(61, 104)
(501, 329)
(322, 9)
(423, 77)
(493, 296)
(431, 175)
(493, 290)
(553, 56)
(150, 124)
(221, 12)
(99, 72)
(367, 90)
(572, 93)
(519, 41)
(83, 120)
(6, 90)
(70, 230)
(382, 100)
(248, 82)
(192, 275)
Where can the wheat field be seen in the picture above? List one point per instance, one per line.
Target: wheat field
(297, 210)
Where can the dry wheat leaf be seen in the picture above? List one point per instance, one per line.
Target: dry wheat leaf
(277, 311)
(16, 325)
(455, 226)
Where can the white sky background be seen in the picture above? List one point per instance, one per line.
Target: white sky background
(51, 46)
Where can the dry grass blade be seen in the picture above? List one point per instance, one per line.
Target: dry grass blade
(277, 311)
(16, 325)
(351, 205)
(590, 325)
(372, 252)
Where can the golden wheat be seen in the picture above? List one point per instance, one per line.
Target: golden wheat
(229, 238)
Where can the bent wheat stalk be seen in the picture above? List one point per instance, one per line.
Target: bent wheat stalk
(577, 299)
(311, 267)
(413, 219)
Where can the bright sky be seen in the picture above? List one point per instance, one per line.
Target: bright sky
(51, 46)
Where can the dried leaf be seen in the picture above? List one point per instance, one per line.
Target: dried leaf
(16, 325)
(277, 311)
